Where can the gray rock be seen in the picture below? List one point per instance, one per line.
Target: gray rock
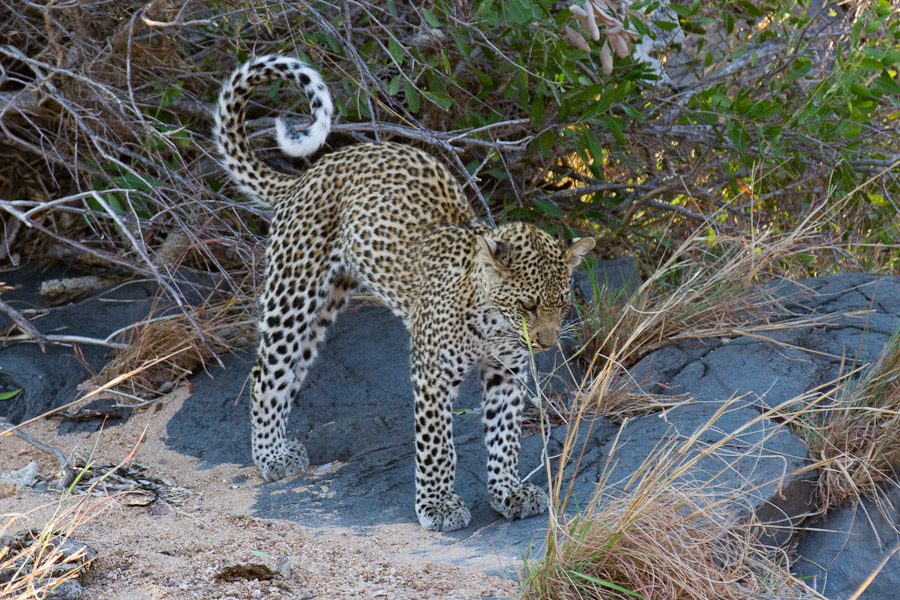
(766, 373)
(71, 589)
(25, 477)
(619, 277)
(755, 466)
(50, 379)
(840, 551)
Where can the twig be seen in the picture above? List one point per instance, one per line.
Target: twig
(24, 324)
(675, 208)
(67, 340)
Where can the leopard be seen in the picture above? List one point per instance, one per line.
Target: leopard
(392, 219)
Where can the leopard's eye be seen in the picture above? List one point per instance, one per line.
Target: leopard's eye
(529, 307)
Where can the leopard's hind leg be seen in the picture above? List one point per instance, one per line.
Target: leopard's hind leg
(294, 317)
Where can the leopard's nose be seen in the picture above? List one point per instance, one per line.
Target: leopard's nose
(547, 336)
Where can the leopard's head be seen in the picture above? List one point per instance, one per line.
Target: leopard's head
(526, 278)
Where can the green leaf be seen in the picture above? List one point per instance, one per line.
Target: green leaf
(130, 180)
(885, 84)
(334, 44)
(854, 33)
(396, 51)
(394, 87)
(665, 25)
(170, 94)
(631, 112)
(518, 11)
(595, 151)
(872, 26)
(890, 57)
(614, 124)
(10, 394)
(849, 129)
(430, 18)
(602, 582)
(870, 64)
(487, 10)
(597, 155)
(548, 208)
(599, 106)
(729, 23)
(259, 554)
(441, 99)
(413, 101)
(537, 112)
(860, 90)
(485, 80)
(799, 69)
(681, 11)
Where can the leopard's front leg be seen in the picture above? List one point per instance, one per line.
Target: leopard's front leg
(503, 401)
(436, 383)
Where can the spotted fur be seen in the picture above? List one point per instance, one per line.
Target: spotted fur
(393, 219)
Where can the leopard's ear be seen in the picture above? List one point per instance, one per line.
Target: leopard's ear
(579, 247)
(491, 253)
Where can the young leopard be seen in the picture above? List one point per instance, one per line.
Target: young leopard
(393, 219)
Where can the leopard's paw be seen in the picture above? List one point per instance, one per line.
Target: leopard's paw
(446, 515)
(273, 465)
(526, 501)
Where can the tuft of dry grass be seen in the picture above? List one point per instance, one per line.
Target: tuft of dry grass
(856, 436)
(190, 340)
(34, 562)
(712, 285)
(677, 543)
(709, 286)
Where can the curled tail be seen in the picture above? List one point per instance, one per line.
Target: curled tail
(253, 176)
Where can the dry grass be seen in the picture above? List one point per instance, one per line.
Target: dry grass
(707, 287)
(711, 286)
(653, 535)
(677, 543)
(35, 562)
(223, 326)
(856, 435)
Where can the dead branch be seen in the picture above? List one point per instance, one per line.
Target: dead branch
(24, 324)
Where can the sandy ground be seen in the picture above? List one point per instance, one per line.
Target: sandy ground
(178, 548)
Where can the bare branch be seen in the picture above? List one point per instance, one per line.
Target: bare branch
(24, 324)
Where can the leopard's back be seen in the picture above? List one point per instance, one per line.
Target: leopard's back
(377, 204)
